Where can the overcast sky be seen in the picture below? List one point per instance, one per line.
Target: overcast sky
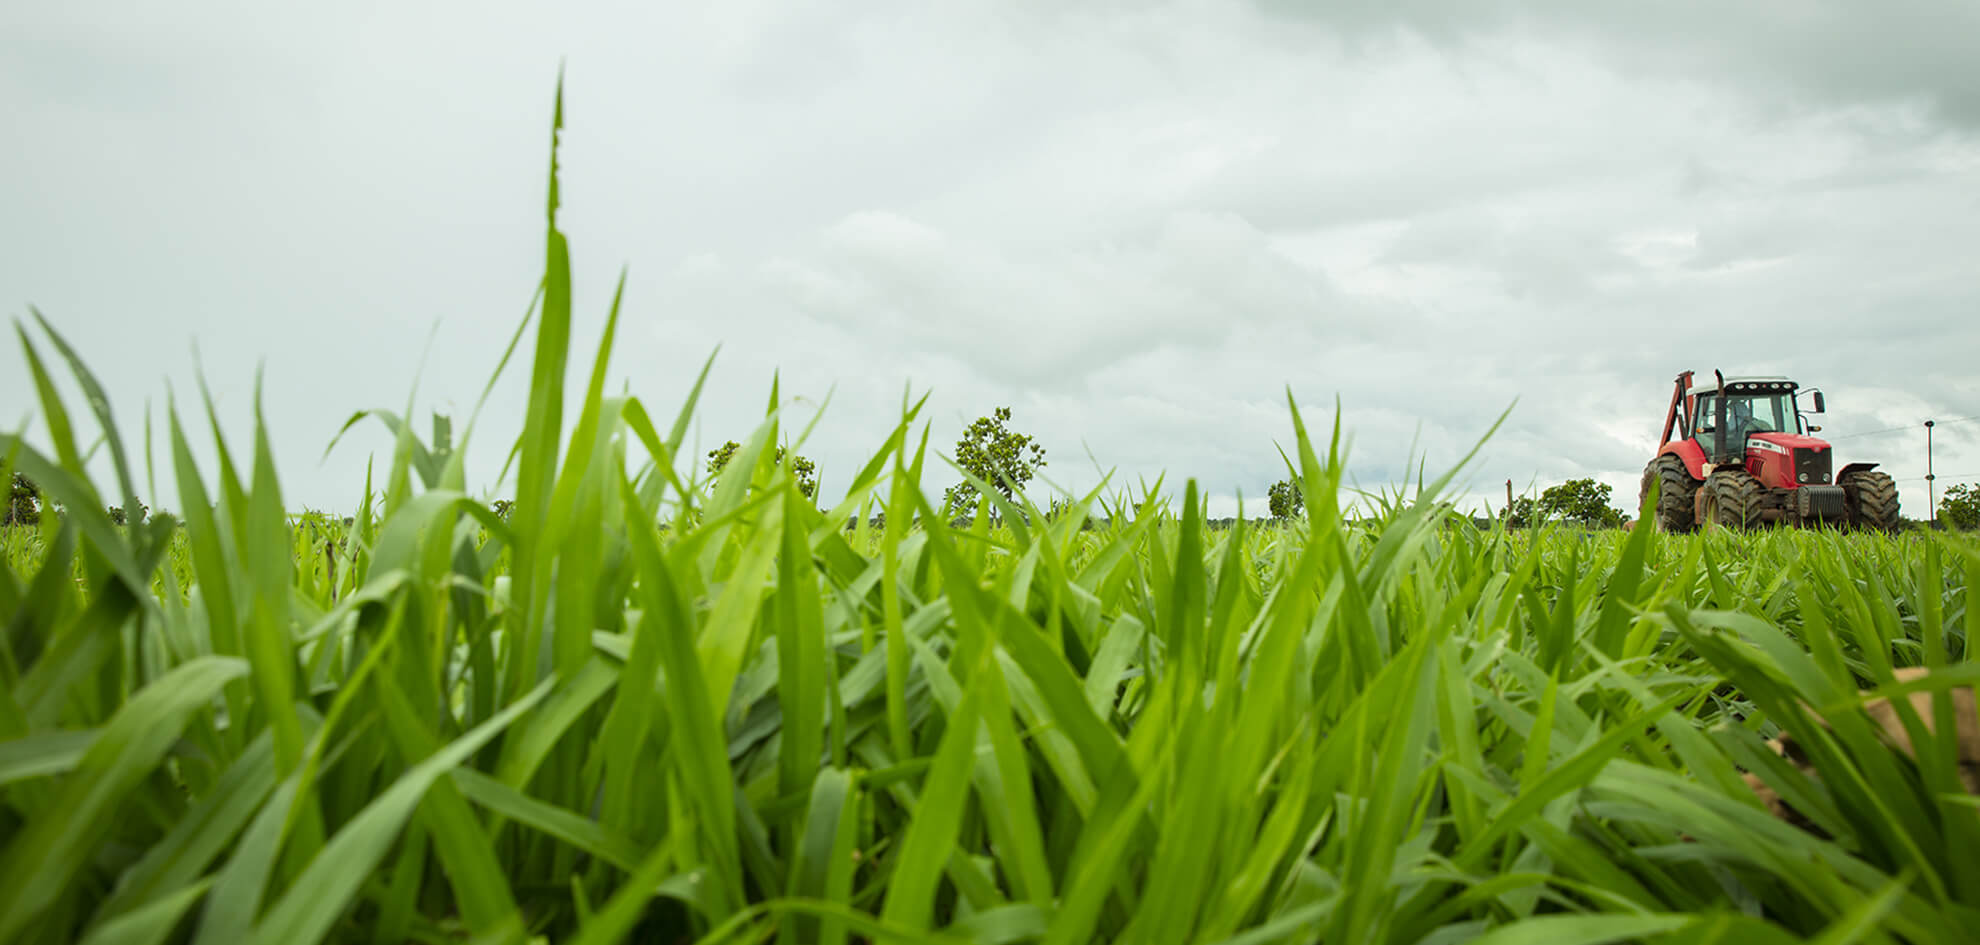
(1135, 223)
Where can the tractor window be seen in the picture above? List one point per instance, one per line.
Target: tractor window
(1772, 413)
(1746, 413)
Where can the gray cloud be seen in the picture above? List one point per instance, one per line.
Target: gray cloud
(1808, 55)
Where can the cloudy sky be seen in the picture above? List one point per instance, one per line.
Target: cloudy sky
(1135, 223)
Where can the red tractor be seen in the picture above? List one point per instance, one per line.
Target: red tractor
(1742, 457)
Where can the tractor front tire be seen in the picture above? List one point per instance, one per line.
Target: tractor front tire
(1732, 499)
(1873, 500)
(1674, 494)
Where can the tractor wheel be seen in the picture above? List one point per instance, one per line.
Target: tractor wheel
(1674, 496)
(1873, 500)
(1732, 499)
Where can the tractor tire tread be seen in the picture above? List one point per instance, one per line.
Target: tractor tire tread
(1674, 495)
(1873, 500)
(1737, 497)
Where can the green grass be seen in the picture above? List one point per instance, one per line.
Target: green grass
(651, 709)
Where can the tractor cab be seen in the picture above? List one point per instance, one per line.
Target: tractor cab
(1752, 406)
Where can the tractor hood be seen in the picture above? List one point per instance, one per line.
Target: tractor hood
(1785, 442)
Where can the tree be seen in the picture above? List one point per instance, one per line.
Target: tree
(22, 506)
(804, 469)
(1581, 501)
(119, 517)
(1960, 507)
(718, 458)
(1521, 513)
(1285, 499)
(991, 451)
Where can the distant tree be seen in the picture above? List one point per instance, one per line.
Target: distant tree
(1581, 501)
(119, 517)
(23, 508)
(1058, 509)
(806, 472)
(991, 451)
(1960, 507)
(718, 458)
(503, 509)
(804, 469)
(1521, 514)
(1285, 499)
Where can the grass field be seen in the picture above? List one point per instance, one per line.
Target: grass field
(648, 709)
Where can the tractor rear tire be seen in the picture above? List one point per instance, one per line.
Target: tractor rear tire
(1674, 494)
(1732, 499)
(1873, 500)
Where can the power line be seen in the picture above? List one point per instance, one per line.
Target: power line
(1942, 476)
(1852, 436)
(1911, 426)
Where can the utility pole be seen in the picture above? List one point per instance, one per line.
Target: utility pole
(1509, 503)
(1931, 496)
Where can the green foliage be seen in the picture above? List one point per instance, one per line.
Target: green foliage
(1523, 512)
(1285, 499)
(1960, 506)
(718, 458)
(996, 454)
(803, 469)
(1582, 502)
(119, 517)
(22, 508)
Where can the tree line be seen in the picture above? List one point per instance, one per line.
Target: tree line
(24, 505)
(991, 451)
(1582, 502)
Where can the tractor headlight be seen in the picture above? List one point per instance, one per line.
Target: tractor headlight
(1804, 477)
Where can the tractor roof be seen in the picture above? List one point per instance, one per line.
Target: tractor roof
(1752, 382)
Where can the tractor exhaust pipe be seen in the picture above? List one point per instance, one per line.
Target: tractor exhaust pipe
(1719, 420)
